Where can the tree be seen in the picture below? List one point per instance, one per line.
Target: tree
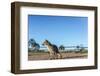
(61, 47)
(81, 48)
(33, 45)
(31, 42)
(78, 47)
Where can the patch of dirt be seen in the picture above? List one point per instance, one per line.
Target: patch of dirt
(45, 56)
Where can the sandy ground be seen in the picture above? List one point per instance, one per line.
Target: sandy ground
(45, 56)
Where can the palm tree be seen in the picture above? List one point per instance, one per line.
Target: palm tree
(34, 46)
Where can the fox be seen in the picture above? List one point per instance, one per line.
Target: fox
(52, 49)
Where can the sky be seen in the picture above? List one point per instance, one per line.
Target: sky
(59, 30)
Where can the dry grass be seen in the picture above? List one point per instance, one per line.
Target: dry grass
(45, 56)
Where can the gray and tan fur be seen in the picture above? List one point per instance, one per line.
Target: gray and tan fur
(53, 50)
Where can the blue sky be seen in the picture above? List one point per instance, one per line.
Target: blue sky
(59, 30)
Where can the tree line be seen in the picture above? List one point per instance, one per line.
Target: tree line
(34, 46)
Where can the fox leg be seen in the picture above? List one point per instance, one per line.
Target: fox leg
(59, 55)
(51, 56)
(55, 56)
